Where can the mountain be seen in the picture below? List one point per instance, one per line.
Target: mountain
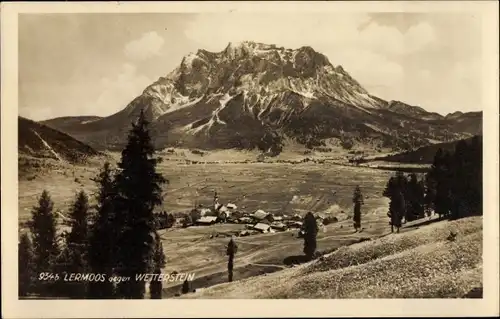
(40, 141)
(470, 122)
(258, 95)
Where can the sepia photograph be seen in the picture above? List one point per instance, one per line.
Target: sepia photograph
(222, 151)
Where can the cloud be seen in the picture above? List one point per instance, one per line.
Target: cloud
(321, 31)
(148, 45)
(37, 113)
(214, 31)
(117, 92)
(390, 40)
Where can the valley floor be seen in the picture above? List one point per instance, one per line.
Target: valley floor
(263, 262)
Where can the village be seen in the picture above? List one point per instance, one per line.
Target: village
(256, 222)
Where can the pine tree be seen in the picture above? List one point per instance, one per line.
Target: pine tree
(397, 207)
(25, 266)
(155, 287)
(430, 194)
(454, 183)
(187, 221)
(310, 232)
(402, 186)
(475, 180)
(45, 246)
(442, 174)
(102, 238)
(358, 201)
(232, 248)
(186, 287)
(420, 199)
(170, 220)
(77, 244)
(414, 198)
(138, 193)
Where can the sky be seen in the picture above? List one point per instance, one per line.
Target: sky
(96, 63)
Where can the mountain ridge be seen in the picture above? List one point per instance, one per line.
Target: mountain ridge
(253, 95)
(41, 141)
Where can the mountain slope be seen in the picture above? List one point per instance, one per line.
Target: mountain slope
(40, 141)
(253, 95)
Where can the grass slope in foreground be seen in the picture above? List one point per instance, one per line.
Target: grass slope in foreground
(417, 263)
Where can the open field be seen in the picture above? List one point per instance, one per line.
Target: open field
(192, 250)
(274, 187)
(418, 263)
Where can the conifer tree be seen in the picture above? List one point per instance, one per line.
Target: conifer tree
(232, 248)
(102, 238)
(76, 248)
(186, 287)
(475, 180)
(430, 194)
(420, 199)
(358, 201)
(442, 174)
(139, 191)
(170, 220)
(454, 182)
(25, 266)
(310, 232)
(186, 220)
(155, 287)
(414, 198)
(45, 244)
(397, 207)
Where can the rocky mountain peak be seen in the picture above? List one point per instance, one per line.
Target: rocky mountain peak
(251, 93)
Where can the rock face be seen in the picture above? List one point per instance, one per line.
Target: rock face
(258, 95)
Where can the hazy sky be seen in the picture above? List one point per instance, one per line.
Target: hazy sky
(94, 64)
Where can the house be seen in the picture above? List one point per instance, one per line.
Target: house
(223, 213)
(205, 211)
(206, 220)
(236, 214)
(319, 217)
(279, 226)
(244, 233)
(296, 217)
(319, 220)
(245, 220)
(295, 224)
(260, 215)
(231, 206)
(277, 218)
(263, 228)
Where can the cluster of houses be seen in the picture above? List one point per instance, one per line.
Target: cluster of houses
(258, 221)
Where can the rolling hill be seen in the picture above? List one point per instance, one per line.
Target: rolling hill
(40, 141)
(418, 263)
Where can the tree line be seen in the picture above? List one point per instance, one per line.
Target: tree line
(116, 237)
(452, 188)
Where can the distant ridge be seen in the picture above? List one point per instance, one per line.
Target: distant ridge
(40, 141)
